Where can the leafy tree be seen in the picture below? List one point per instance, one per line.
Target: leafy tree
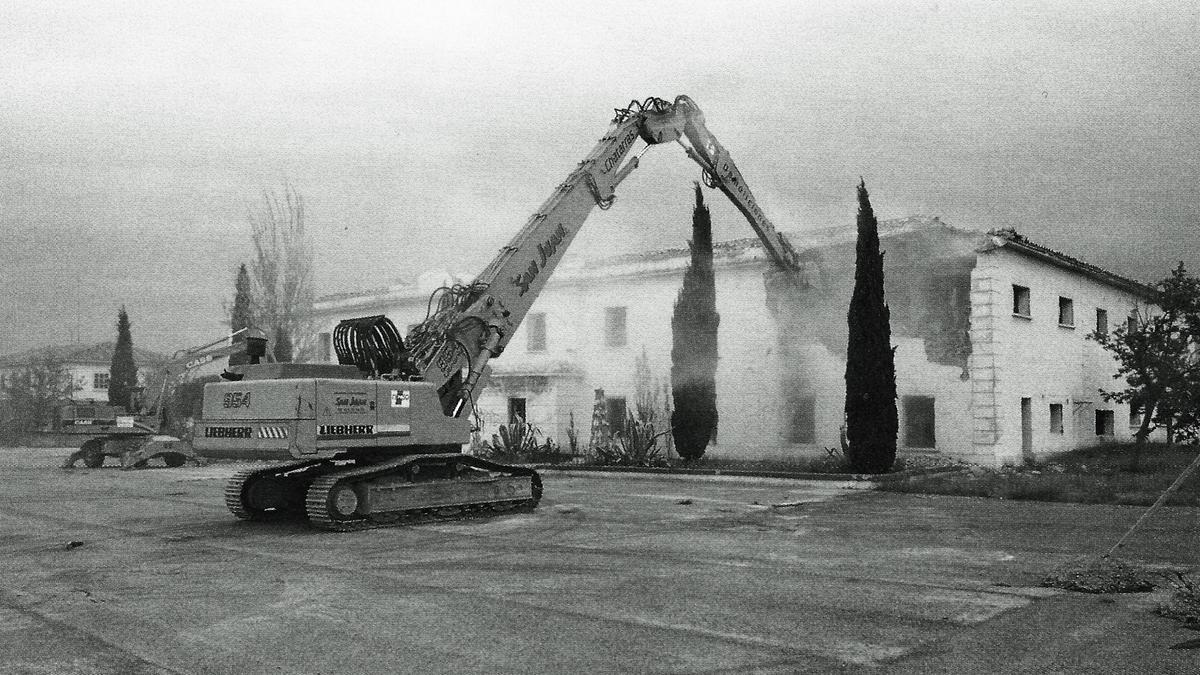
(1158, 359)
(282, 273)
(871, 417)
(242, 314)
(694, 344)
(31, 392)
(122, 374)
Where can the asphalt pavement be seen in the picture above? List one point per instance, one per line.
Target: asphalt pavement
(110, 571)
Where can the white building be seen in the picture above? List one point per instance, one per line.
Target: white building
(87, 366)
(992, 360)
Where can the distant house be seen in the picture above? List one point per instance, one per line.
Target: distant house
(992, 361)
(88, 366)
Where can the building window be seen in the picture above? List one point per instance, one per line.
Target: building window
(1135, 416)
(615, 409)
(535, 334)
(516, 411)
(100, 380)
(614, 327)
(802, 420)
(1066, 312)
(1104, 423)
(919, 422)
(1131, 325)
(1021, 301)
(1102, 321)
(1056, 418)
(325, 347)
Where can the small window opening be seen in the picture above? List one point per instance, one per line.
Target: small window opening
(1066, 312)
(1056, 418)
(1021, 300)
(516, 411)
(919, 423)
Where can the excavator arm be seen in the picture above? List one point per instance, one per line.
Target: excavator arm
(473, 324)
(185, 361)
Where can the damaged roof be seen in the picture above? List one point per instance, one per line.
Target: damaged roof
(749, 250)
(1009, 239)
(801, 240)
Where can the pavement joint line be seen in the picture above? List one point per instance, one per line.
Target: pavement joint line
(7, 597)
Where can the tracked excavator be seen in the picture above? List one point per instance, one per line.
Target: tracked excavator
(136, 438)
(377, 438)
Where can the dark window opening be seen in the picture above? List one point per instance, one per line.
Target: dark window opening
(802, 420)
(1102, 321)
(615, 410)
(919, 422)
(536, 332)
(1021, 300)
(1066, 312)
(1104, 423)
(614, 327)
(516, 411)
(1131, 325)
(1135, 416)
(100, 380)
(1056, 418)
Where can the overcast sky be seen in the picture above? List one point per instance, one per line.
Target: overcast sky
(135, 137)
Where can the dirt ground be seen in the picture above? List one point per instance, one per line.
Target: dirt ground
(109, 571)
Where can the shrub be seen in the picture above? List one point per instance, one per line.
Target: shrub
(634, 445)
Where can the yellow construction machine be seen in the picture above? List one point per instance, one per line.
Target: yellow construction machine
(145, 434)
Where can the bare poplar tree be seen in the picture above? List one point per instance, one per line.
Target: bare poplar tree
(282, 273)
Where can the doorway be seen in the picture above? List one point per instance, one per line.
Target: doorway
(1027, 428)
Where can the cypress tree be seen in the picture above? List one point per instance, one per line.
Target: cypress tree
(694, 344)
(282, 349)
(871, 418)
(122, 374)
(241, 316)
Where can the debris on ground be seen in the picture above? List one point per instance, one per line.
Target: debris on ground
(566, 508)
(1184, 605)
(1187, 644)
(73, 544)
(684, 501)
(1100, 575)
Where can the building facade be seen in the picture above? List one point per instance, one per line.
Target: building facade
(992, 361)
(87, 366)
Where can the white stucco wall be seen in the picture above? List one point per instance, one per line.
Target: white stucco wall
(977, 411)
(1036, 358)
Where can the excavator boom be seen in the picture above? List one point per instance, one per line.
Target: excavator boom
(477, 327)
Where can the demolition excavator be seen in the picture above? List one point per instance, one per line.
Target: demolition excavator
(377, 438)
(136, 438)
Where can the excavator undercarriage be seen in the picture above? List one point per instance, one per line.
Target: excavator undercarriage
(134, 452)
(346, 495)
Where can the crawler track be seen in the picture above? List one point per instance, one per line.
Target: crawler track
(321, 501)
(328, 493)
(271, 492)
